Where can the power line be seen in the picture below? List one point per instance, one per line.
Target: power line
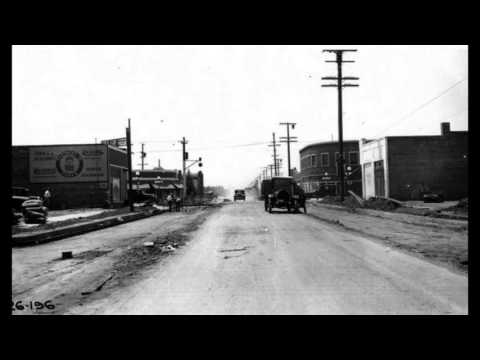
(421, 106)
(215, 147)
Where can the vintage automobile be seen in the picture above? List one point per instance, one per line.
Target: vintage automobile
(283, 192)
(19, 196)
(239, 195)
(34, 212)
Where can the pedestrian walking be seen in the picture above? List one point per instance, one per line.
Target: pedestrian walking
(169, 202)
(178, 203)
(46, 197)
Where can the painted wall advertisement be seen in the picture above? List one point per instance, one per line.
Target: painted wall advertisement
(74, 163)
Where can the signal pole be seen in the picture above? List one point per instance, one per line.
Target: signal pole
(143, 154)
(184, 158)
(339, 85)
(274, 144)
(288, 140)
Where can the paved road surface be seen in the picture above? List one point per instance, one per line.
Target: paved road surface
(246, 261)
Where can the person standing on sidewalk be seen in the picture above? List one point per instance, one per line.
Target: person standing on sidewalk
(170, 202)
(46, 197)
(178, 203)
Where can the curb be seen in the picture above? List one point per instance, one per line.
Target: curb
(40, 237)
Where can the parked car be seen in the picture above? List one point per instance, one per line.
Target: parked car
(283, 192)
(34, 212)
(239, 195)
(19, 196)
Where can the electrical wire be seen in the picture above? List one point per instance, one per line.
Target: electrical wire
(420, 107)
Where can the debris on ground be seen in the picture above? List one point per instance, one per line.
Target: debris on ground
(99, 286)
(67, 255)
(168, 248)
(357, 198)
(148, 243)
(382, 203)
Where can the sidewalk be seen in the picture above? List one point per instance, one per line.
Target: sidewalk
(66, 225)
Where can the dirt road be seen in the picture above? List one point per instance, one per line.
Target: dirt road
(243, 260)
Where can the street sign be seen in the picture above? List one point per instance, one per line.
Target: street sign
(120, 142)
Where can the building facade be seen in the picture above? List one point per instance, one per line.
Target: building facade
(163, 182)
(406, 167)
(159, 181)
(319, 172)
(80, 175)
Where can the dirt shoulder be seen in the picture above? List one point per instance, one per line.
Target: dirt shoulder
(443, 241)
(103, 260)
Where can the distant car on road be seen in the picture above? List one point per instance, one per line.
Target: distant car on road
(239, 195)
(283, 192)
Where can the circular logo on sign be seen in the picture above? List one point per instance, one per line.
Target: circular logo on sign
(70, 163)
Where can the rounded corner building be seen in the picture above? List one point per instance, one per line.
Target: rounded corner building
(319, 173)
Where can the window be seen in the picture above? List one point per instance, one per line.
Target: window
(353, 157)
(325, 159)
(313, 161)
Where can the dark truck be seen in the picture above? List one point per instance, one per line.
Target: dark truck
(239, 195)
(283, 192)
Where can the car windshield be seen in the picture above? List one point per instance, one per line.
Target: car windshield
(282, 183)
(239, 192)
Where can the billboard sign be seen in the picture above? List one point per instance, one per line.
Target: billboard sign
(68, 163)
(120, 142)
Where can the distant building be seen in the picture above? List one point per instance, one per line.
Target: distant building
(405, 167)
(158, 181)
(84, 175)
(162, 182)
(319, 172)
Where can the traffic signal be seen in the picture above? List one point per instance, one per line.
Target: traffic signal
(200, 164)
(186, 156)
(348, 169)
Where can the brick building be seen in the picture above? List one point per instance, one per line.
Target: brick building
(405, 167)
(83, 175)
(319, 173)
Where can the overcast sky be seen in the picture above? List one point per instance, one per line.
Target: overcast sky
(227, 100)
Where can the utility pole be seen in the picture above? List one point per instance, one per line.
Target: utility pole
(288, 140)
(339, 85)
(129, 154)
(143, 155)
(184, 159)
(274, 144)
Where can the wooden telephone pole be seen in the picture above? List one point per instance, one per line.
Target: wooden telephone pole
(289, 139)
(340, 85)
(274, 144)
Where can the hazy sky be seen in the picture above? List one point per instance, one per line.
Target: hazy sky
(219, 97)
